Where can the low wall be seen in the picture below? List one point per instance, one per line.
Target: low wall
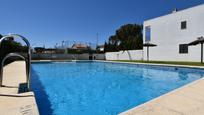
(68, 56)
(99, 56)
(125, 55)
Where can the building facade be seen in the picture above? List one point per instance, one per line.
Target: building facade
(171, 33)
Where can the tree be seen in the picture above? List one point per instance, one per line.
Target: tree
(127, 37)
(39, 49)
(105, 47)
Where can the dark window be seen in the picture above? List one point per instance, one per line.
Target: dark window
(183, 25)
(183, 48)
(147, 33)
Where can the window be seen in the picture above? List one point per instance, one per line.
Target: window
(183, 25)
(183, 48)
(147, 33)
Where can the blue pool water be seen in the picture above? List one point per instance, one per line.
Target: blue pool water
(96, 88)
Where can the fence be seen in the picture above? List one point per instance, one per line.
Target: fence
(84, 56)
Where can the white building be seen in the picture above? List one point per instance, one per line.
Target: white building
(172, 32)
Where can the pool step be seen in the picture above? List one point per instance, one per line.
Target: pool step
(12, 100)
(25, 104)
(6, 90)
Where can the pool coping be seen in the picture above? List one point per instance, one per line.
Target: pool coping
(136, 63)
(12, 102)
(152, 106)
(154, 64)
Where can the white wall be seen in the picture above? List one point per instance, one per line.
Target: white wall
(84, 56)
(99, 56)
(125, 55)
(167, 34)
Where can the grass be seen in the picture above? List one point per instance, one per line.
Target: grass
(164, 62)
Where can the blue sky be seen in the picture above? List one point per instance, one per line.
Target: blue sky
(46, 22)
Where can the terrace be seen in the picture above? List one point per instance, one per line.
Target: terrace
(185, 100)
(151, 69)
(11, 102)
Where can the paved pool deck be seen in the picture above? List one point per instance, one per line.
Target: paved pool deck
(12, 103)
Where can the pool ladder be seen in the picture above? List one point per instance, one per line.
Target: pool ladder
(27, 59)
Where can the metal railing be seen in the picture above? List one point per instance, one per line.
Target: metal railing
(27, 60)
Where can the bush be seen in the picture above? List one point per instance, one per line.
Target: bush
(127, 37)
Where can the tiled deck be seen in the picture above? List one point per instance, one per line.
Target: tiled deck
(12, 103)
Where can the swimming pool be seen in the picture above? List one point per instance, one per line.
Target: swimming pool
(100, 88)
